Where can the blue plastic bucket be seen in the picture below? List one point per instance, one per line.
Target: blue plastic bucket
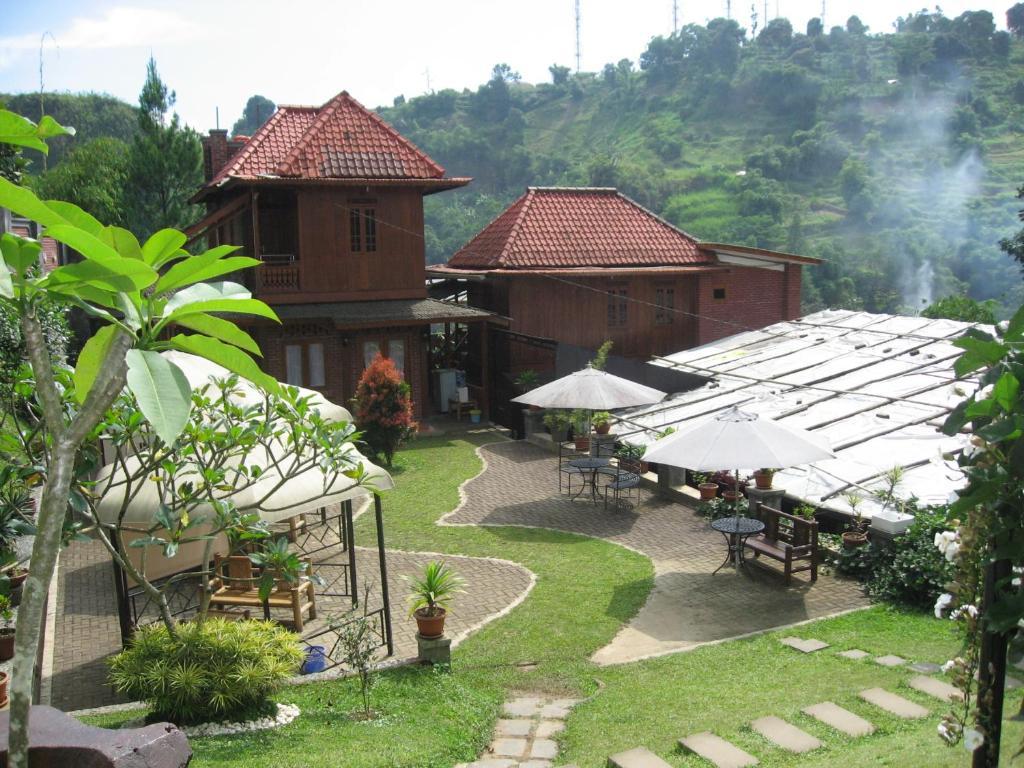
(315, 660)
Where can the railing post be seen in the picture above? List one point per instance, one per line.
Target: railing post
(379, 519)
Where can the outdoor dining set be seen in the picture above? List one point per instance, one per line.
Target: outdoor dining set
(730, 438)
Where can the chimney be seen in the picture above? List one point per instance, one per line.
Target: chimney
(215, 151)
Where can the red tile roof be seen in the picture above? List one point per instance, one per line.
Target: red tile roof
(341, 139)
(552, 227)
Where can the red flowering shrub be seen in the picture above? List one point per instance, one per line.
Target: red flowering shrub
(383, 408)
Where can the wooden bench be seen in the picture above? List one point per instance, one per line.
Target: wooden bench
(788, 539)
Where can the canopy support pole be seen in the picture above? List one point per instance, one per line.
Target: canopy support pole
(379, 519)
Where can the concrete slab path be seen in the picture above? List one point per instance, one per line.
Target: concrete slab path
(718, 751)
(785, 735)
(893, 704)
(843, 720)
(936, 688)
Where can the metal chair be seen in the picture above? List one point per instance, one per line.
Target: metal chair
(623, 479)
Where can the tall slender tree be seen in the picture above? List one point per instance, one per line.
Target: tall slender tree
(258, 110)
(164, 164)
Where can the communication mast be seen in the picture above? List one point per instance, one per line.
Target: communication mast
(728, 9)
(578, 55)
(675, 16)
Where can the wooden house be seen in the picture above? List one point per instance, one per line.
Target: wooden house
(577, 266)
(330, 200)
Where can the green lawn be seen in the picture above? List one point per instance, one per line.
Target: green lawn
(585, 590)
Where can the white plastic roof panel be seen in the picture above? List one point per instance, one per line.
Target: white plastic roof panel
(895, 390)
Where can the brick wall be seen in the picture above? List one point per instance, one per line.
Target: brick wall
(215, 151)
(753, 298)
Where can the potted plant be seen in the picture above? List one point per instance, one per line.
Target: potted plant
(431, 596)
(557, 423)
(15, 511)
(282, 568)
(763, 478)
(526, 381)
(6, 634)
(856, 535)
(474, 415)
(708, 490)
(580, 430)
(602, 421)
(633, 453)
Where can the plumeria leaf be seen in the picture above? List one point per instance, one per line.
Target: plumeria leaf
(162, 392)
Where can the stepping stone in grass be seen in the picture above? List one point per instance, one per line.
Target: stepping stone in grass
(934, 687)
(891, 661)
(854, 654)
(524, 707)
(638, 757)
(784, 735)
(543, 749)
(508, 747)
(718, 751)
(549, 728)
(926, 668)
(843, 720)
(513, 728)
(807, 646)
(893, 704)
(491, 762)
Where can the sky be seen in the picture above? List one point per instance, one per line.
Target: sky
(216, 54)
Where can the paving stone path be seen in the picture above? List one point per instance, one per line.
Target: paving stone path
(688, 605)
(523, 738)
(718, 751)
(88, 632)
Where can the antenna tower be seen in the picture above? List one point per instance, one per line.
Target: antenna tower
(753, 20)
(675, 16)
(728, 9)
(578, 55)
(823, 15)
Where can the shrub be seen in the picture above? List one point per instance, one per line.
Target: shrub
(911, 570)
(383, 408)
(212, 670)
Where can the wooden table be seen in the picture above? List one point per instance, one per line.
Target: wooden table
(454, 404)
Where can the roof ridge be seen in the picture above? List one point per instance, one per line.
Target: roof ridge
(658, 218)
(604, 190)
(517, 225)
(394, 132)
(254, 142)
(329, 108)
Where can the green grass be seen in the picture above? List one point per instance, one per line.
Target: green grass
(585, 590)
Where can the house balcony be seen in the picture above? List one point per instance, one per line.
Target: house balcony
(279, 273)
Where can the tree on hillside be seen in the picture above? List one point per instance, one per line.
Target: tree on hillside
(777, 33)
(1015, 19)
(1014, 246)
(815, 27)
(962, 308)
(93, 176)
(164, 163)
(258, 110)
(855, 26)
(559, 74)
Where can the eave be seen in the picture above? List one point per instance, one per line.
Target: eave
(441, 271)
(429, 186)
(760, 253)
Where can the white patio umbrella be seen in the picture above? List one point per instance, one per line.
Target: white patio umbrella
(735, 438)
(590, 389)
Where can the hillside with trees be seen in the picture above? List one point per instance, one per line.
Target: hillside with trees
(894, 156)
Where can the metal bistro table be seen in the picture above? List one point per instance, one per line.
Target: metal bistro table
(591, 465)
(735, 530)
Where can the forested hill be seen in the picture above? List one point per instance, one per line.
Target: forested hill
(894, 156)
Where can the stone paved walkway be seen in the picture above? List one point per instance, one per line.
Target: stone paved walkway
(87, 630)
(688, 605)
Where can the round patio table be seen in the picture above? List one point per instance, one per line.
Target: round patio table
(735, 530)
(591, 464)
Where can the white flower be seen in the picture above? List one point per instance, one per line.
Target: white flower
(948, 666)
(952, 550)
(944, 601)
(973, 739)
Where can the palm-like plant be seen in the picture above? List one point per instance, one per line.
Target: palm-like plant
(434, 591)
(278, 563)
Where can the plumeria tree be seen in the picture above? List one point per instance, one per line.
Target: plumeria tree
(143, 298)
(383, 408)
(987, 542)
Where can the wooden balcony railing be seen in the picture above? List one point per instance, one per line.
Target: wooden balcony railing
(277, 277)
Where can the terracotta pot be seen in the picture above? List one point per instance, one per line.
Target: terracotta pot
(731, 495)
(764, 480)
(6, 644)
(17, 577)
(430, 626)
(4, 679)
(582, 444)
(603, 429)
(644, 467)
(708, 491)
(854, 539)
